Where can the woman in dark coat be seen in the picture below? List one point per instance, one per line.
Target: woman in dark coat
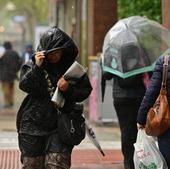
(39, 143)
(148, 101)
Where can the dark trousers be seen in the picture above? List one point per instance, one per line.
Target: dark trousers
(126, 110)
(8, 91)
(44, 152)
(49, 161)
(164, 147)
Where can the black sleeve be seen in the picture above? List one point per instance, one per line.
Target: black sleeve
(32, 80)
(79, 91)
(107, 76)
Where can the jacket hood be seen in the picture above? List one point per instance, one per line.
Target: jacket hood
(54, 39)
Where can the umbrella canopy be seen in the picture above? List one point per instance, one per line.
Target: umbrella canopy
(132, 46)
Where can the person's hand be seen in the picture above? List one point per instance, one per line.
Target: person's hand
(39, 58)
(62, 84)
(140, 126)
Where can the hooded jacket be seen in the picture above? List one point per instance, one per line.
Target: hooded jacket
(37, 114)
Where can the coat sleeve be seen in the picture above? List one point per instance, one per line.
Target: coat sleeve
(79, 91)
(107, 76)
(32, 80)
(152, 92)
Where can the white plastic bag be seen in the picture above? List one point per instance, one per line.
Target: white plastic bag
(147, 154)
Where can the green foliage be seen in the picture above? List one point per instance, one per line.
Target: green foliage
(33, 9)
(149, 8)
(37, 9)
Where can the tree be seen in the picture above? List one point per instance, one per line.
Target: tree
(151, 9)
(35, 12)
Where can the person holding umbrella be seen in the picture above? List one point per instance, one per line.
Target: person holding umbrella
(130, 50)
(127, 97)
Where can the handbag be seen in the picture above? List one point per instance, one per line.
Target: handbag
(158, 118)
(71, 126)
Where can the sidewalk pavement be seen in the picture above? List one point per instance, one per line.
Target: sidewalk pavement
(85, 156)
(81, 159)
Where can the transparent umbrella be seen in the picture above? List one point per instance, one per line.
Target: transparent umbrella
(132, 46)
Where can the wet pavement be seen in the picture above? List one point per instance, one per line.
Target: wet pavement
(92, 159)
(81, 159)
(85, 156)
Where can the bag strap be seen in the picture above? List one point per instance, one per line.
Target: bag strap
(165, 71)
(50, 89)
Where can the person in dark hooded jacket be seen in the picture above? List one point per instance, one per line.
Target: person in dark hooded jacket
(39, 143)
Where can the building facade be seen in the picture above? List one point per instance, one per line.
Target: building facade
(86, 21)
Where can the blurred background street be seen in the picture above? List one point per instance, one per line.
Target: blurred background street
(87, 23)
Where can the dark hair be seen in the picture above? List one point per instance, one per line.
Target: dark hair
(130, 55)
(7, 45)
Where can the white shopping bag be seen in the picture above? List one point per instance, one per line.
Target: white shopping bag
(147, 154)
